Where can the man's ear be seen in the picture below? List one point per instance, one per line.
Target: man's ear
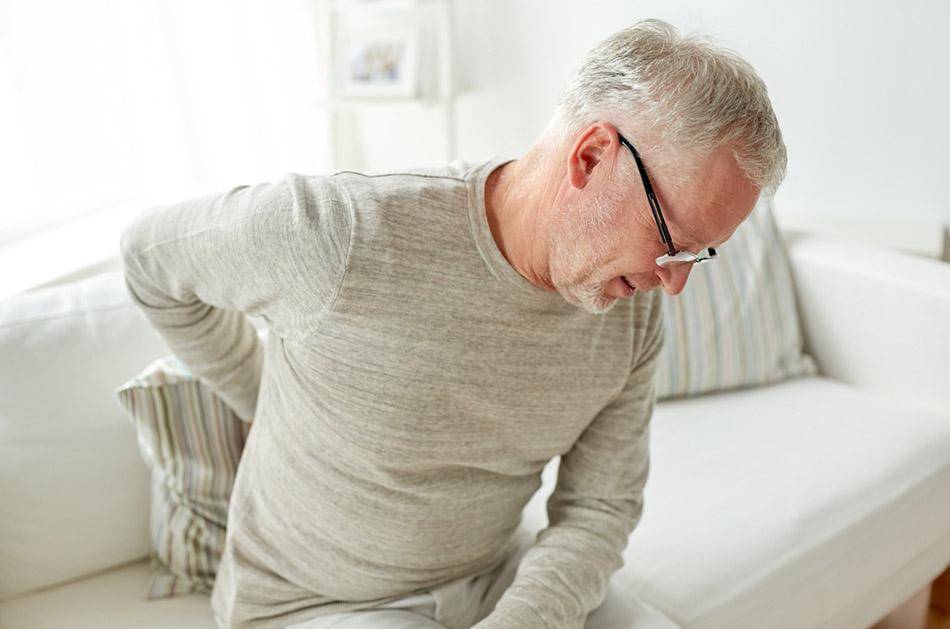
(590, 149)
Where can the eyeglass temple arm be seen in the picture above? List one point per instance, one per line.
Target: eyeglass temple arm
(651, 197)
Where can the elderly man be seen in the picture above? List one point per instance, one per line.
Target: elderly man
(438, 335)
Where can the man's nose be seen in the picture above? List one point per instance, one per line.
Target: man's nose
(674, 277)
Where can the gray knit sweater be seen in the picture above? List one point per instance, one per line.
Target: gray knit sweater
(413, 386)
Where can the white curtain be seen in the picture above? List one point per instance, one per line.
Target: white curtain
(135, 102)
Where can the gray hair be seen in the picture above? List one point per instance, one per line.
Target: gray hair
(687, 95)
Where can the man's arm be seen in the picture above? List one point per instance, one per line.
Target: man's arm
(196, 268)
(594, 508)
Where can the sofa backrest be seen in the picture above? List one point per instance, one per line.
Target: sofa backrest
(75, 492)
(875, 318)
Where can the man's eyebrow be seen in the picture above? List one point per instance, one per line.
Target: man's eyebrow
(693, 238)
(687, 236)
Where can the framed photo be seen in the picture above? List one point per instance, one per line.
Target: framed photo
(378, 53)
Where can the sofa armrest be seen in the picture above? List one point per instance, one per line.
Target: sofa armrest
(875, 317)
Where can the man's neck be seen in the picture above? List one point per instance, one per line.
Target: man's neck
(513, 212)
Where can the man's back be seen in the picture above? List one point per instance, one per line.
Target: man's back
(413, 387)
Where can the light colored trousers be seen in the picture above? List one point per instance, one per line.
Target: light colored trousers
(462, 603)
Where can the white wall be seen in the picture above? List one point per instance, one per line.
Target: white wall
(107, 108)
(228, 92)
(107, 103)
(861, 89)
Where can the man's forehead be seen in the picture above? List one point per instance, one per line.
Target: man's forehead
(691, 234)
(709, 223)
(692, 224)
(714, 209)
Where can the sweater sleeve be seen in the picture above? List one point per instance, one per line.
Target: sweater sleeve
(198, 268)
(594, 508)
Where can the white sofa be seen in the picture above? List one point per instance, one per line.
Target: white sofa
(818, 502)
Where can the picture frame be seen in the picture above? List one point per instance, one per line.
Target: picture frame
(377, 52)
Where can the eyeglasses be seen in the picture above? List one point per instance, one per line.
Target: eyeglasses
(673, 257)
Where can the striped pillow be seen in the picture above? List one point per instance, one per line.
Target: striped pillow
(191, 442)
(735, 324)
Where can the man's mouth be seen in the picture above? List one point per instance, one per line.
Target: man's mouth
(631, 289)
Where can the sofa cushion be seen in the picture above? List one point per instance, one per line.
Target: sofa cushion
(808, 503)
(735, 323)
(192, 443)
(112, 600)
(75, 491)
(106, 600)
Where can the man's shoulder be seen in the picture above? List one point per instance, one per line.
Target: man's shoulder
(412, 191)
(454, 176)
(459, 169)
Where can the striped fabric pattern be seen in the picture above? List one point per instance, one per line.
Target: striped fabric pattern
(192, 443)
(736, 322)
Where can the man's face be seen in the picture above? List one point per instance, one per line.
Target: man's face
(605, 232)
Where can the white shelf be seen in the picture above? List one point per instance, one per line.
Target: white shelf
(383, 101)
(396, 4)
(436, 82)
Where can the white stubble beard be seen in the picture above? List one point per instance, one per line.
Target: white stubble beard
(590, 222)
